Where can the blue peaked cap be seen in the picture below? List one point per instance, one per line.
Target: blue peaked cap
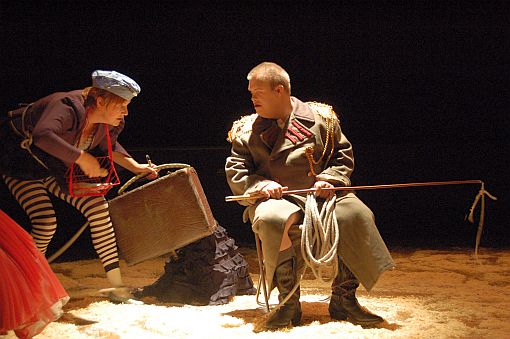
(116, 83)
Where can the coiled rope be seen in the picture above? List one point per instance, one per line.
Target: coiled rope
(320, 231)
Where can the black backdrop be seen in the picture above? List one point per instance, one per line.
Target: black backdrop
(421, 90)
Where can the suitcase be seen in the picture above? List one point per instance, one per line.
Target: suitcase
(161, 216)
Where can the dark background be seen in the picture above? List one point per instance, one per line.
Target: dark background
(421, 90)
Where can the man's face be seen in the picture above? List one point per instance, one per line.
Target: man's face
(265, 99)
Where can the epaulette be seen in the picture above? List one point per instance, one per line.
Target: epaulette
(241, 126)
(324, 110)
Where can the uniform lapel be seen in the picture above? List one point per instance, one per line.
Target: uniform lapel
(267, 130)
(295, 131)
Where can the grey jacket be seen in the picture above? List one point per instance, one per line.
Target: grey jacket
(253, 162)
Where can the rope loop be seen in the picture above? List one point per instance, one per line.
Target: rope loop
(480, 198)
(320, 236)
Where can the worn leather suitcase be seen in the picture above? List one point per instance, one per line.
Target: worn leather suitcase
(161, 216)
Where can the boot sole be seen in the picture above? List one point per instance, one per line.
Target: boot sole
(277, 327)
(296, 321)
(364, 324)
(340, 318)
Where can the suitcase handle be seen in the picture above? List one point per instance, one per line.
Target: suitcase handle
(174, 166)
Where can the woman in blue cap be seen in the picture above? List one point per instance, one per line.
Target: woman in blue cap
(39, 143)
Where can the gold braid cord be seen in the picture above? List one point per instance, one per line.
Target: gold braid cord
(326, 112)
(241, 126)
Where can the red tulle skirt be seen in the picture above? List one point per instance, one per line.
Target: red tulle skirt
(31, 296)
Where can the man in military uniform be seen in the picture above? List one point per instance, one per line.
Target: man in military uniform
(296, 145)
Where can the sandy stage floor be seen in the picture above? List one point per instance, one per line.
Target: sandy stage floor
(431, 294)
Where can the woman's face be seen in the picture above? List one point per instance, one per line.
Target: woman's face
(117, 112)
(112, 113)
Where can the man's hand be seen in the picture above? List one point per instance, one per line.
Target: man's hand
(273, 190)
(326, 194)
(90, 166)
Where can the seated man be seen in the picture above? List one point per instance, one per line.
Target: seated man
(299, 145)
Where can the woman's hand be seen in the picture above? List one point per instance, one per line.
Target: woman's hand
(90, 166)
(319, 192)
(148, 168)
(134, 166)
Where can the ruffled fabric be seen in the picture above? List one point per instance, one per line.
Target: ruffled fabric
(31, 296)
(209, 271)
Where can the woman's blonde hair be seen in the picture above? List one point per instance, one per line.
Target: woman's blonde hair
(92, 93)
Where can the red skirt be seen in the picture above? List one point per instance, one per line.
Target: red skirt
(31, 296)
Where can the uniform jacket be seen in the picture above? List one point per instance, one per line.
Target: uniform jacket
(262, 152)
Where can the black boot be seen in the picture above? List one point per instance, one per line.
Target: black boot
(344, 305)
(285, 279)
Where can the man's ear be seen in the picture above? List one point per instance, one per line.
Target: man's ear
(279, 89)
